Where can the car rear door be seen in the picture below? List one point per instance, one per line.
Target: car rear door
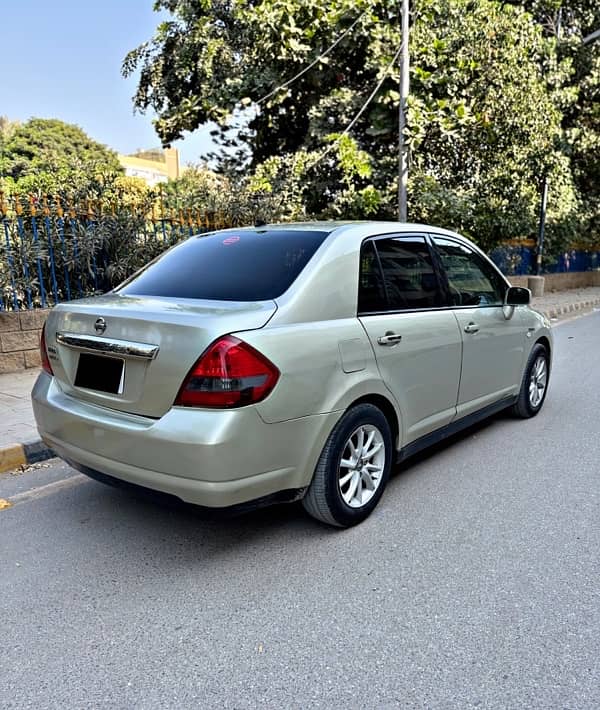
(493, 335)
(416, 340)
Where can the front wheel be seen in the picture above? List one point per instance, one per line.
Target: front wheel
(353, 469)
(534, 385)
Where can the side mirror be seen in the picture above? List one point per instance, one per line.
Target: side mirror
(517, 296)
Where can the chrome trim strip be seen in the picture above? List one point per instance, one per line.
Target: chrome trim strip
(108, 347)
(400, 311)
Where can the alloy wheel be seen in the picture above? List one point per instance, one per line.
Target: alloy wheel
(538, 381)
(361, 466)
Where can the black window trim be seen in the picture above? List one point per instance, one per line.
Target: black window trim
(432, 236)
(380, 269)
(433, 255)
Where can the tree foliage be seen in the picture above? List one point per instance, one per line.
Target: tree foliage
(502, 94)
(42, 151)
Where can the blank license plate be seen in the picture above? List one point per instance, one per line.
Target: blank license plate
(103, 374)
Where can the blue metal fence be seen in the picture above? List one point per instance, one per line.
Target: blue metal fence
(49, 254)
(515, 260)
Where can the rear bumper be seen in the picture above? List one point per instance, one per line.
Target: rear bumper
(213, 458)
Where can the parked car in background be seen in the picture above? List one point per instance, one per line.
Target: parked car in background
(286, 362)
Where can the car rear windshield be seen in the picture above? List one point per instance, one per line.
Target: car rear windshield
(244, 265)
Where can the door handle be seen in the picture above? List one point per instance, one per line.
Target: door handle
(389, 338)
(471, 328)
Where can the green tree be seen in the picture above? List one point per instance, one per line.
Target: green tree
(582, 116)
(211, 55)
(46, 150)
(492, 101)
(484, 121)
(7, 127)
(565, 23)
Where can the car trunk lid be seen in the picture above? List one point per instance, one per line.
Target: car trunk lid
(132, 353)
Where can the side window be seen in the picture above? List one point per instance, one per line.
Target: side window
(472, 281)
(371, 293)
(408, 273)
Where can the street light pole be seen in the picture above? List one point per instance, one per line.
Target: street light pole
(404, 89)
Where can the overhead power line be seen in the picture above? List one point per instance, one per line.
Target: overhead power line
(591, 37)
(362, 109)
(313, 63)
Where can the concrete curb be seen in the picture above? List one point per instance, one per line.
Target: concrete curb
(557, 311)
(15, 455)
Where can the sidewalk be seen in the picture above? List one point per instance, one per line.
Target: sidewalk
(19, 439)
(20, 444)
(16, 415)
(553, 305)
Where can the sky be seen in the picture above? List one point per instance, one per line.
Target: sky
(62, 59)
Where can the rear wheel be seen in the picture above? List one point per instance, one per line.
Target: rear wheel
(353, 469)
(534, 385)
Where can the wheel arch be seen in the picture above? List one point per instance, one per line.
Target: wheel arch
(388, 410)
(545, 342)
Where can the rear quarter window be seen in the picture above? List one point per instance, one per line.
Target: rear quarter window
(229, 266)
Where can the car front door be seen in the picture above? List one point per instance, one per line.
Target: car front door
(416, 341)
(493, 335)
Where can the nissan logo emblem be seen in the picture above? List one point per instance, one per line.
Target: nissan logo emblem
(100, 326)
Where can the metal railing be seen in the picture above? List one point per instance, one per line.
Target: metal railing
(52, 252)
(517, 260)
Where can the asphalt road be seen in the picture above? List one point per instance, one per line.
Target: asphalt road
(476, 583)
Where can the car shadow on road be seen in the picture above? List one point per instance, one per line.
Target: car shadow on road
(139, 521)
(182, 534)
(407, 465)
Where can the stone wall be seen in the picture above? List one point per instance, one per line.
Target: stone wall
(20, 339)
(562, 282)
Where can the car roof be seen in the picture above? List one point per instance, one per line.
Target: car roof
(314, 226)
(339, 226)
(359, 229)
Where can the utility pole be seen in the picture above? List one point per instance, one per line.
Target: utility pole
(404, 89)
(540, 243)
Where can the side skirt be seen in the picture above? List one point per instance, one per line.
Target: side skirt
(454, 427)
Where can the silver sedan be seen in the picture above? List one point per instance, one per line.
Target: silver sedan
(288, 362)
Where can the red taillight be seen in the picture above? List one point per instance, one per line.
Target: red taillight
(46, 366)
(230, 373)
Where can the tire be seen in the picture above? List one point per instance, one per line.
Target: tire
(329, 497)
(531, 395)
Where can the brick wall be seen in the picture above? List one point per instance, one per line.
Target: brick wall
(20, 339)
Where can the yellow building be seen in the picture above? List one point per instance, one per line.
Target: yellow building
(152, 172)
